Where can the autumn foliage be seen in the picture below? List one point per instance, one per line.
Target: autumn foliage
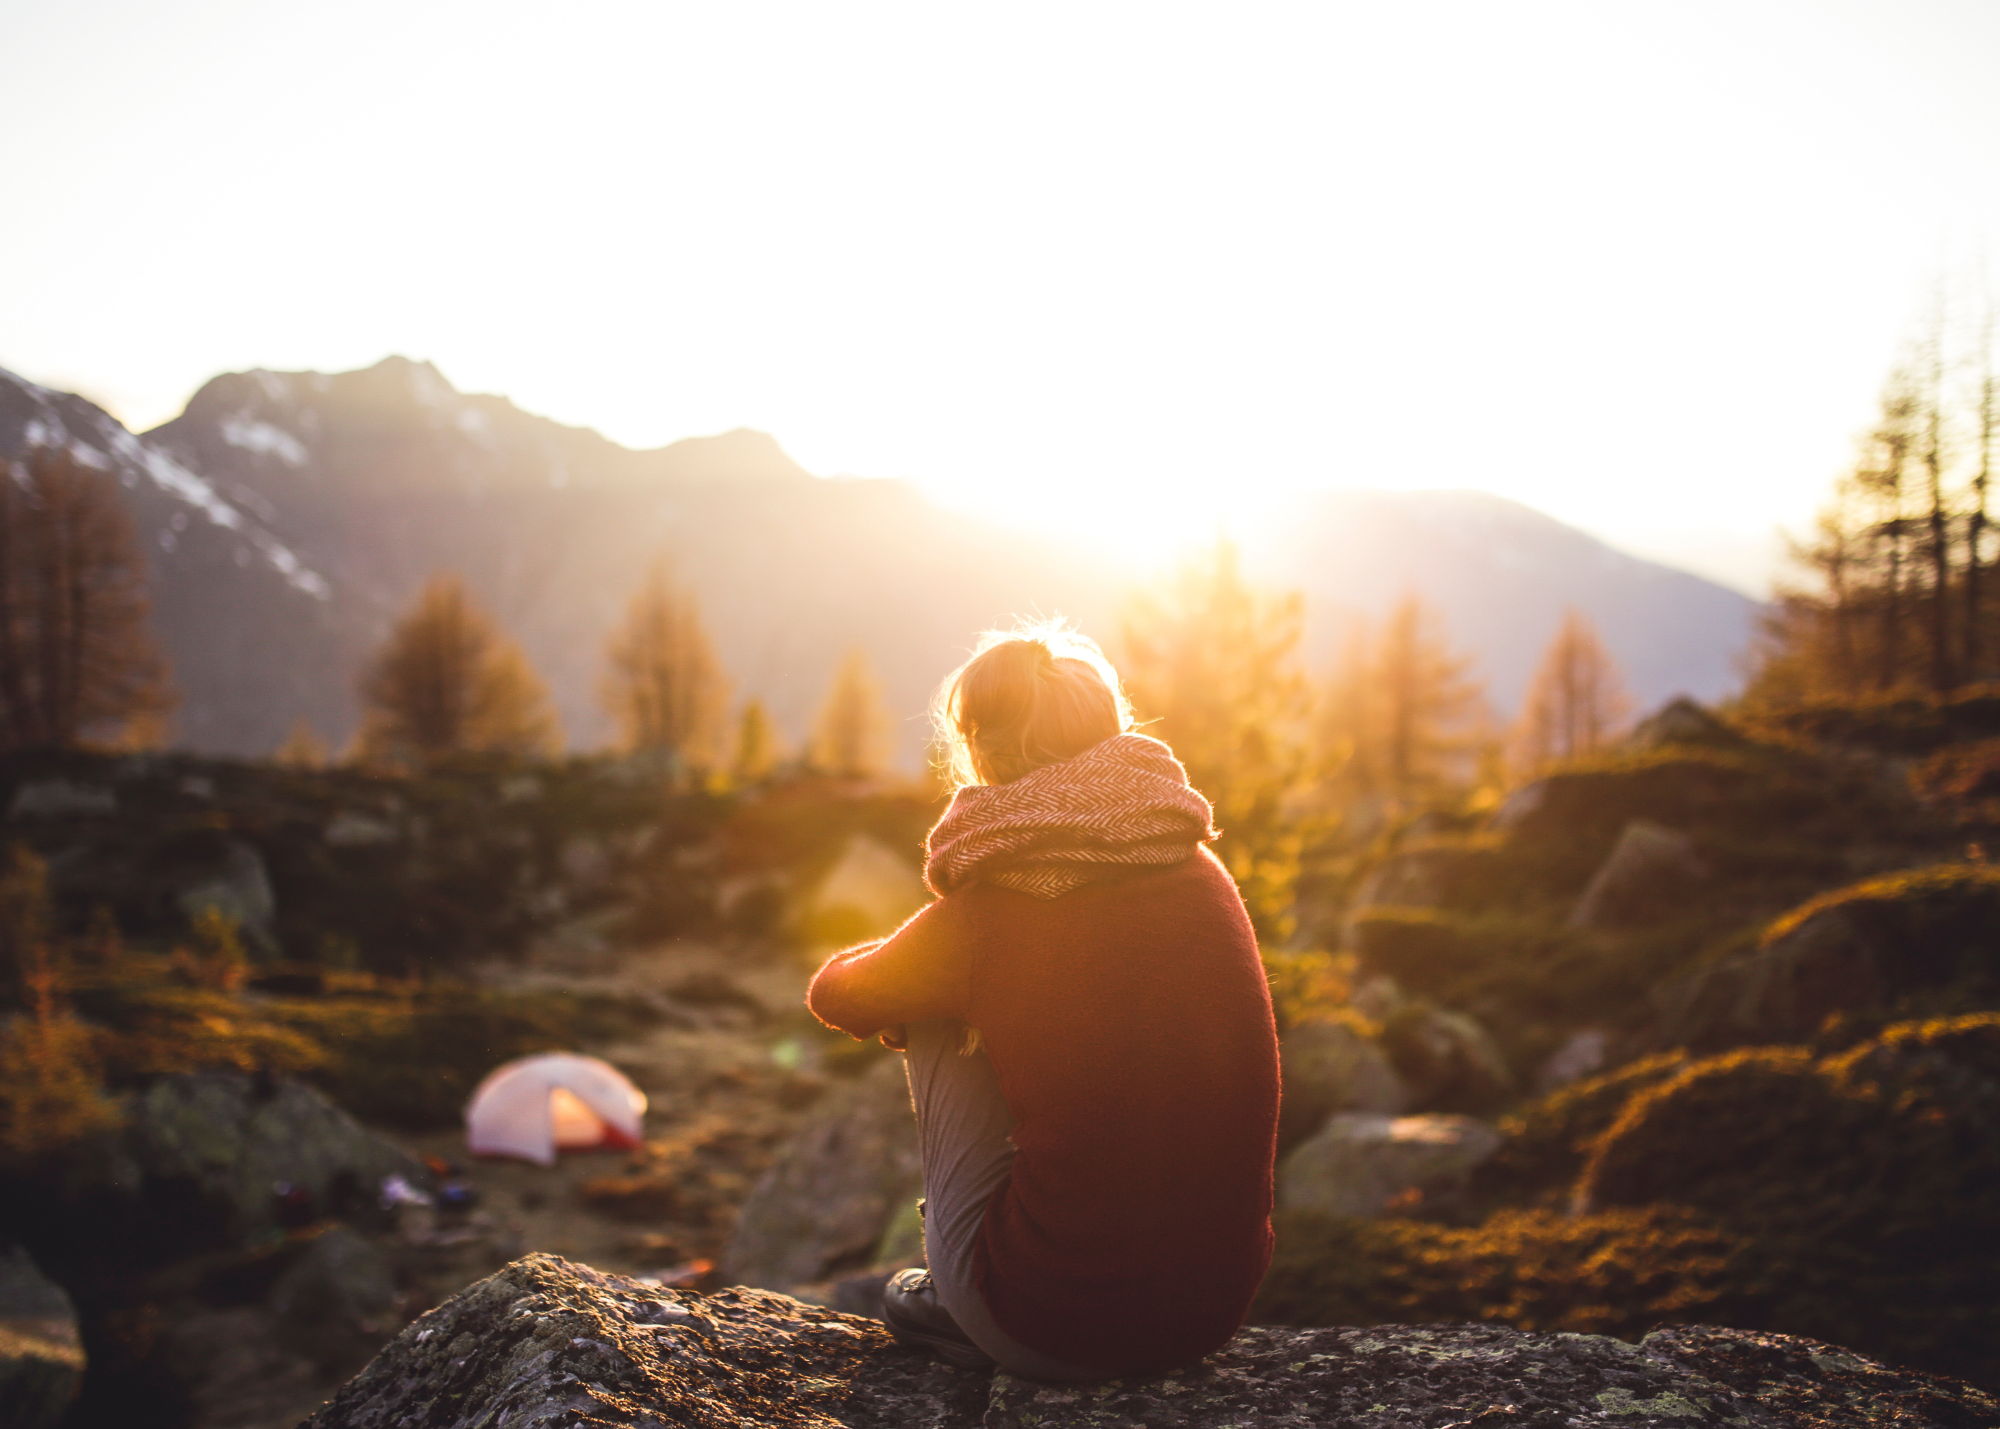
(449, 683)
(665, 686)
(76, 656)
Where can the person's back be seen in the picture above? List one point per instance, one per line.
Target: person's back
(1112, 1216)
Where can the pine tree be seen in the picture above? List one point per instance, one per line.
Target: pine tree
(1212, 668)
(447, 683)
(1576, 702)
(756, 744)
(1893, 595)
(851, 735)
(302, 749)
(76, 657)
(1407, 713)
(51, 1086)
(665, 686)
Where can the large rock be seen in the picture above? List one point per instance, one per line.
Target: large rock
(1446, 1058)
(1362, 1165)
(41, 1351)
(1781, 992)
(1433, 875)
(237, 886)
(546, 1343)
(1682, 722)
(1852, 950)
(157, 873)
(1582, 1054)
(60, 799)
(1650, 872)
(823, 1204)
(343, 1282)
(222, 1142)
(1329, 1067)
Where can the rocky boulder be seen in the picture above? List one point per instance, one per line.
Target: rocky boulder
(546, 1343)
(218, 1150)
(41, 1351)
(823, 1205)
(1362, 1165)
(1648, 873)
(1446, 1058)
(60, 799)
(237, 886)
(1581, 1054)
(1857, 948)
(340, 1292)
(1330, 1067)
(1428, 875)
(1681, 721)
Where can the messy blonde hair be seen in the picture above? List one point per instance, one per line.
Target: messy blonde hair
(1029, 696)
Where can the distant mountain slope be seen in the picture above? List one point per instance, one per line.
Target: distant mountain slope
(226, 590)
(387, 475)
(291, 518)
(1501, 575)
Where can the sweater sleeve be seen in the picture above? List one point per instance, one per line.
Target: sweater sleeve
(921, 973)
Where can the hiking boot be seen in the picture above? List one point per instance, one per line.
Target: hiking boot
(916, 1317)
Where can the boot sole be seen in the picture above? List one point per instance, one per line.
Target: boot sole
(958, 1352)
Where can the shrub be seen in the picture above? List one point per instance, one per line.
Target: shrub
(1854, 1199)
(217, 959)
(51, 1086)
(1548, 1142)
(1618, 1272)
(415, 1063)
(1423, 949)
(1866, 1186)
(1934, 925)
(1309, 985)
(1733, 1133)
(147, 1026)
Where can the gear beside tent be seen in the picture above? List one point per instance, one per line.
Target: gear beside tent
(533, 1107)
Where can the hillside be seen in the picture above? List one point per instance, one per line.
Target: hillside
(1502, 574)
(247, 623)
(291, 517)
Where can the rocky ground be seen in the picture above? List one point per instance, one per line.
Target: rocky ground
(1632, 1051)
(257, 1338)
(723, 1091)
(546, 1342)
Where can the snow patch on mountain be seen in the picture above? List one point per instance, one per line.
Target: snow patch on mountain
(131, 457)
(264, 439)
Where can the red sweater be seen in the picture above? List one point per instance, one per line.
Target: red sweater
(1130, 1026)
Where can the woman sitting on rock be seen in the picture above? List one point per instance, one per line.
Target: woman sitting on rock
(1088, 1036)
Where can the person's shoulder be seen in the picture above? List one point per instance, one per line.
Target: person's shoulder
(1206, 871)
(1197, 878)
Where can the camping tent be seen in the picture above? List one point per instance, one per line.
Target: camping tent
(532, 1107)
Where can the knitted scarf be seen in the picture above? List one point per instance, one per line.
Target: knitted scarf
(1123, 802)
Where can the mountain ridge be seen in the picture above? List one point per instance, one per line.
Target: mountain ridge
(369, 481)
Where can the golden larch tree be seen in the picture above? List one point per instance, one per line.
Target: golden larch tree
(1576, 702)
(447, 683)
(77, 658)
(1211, 666)
(51, 1084)
(303, 748)
(1893, 593)
(665, 686)
(851, 737)
(756, 744)
(1405, 712)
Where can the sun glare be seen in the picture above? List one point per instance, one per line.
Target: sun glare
(1126, 267)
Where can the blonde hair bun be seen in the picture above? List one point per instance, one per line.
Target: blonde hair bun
(1034, 695)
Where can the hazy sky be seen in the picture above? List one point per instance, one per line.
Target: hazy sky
(1115, 267)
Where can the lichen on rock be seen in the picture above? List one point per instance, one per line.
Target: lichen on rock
(546, 1343)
